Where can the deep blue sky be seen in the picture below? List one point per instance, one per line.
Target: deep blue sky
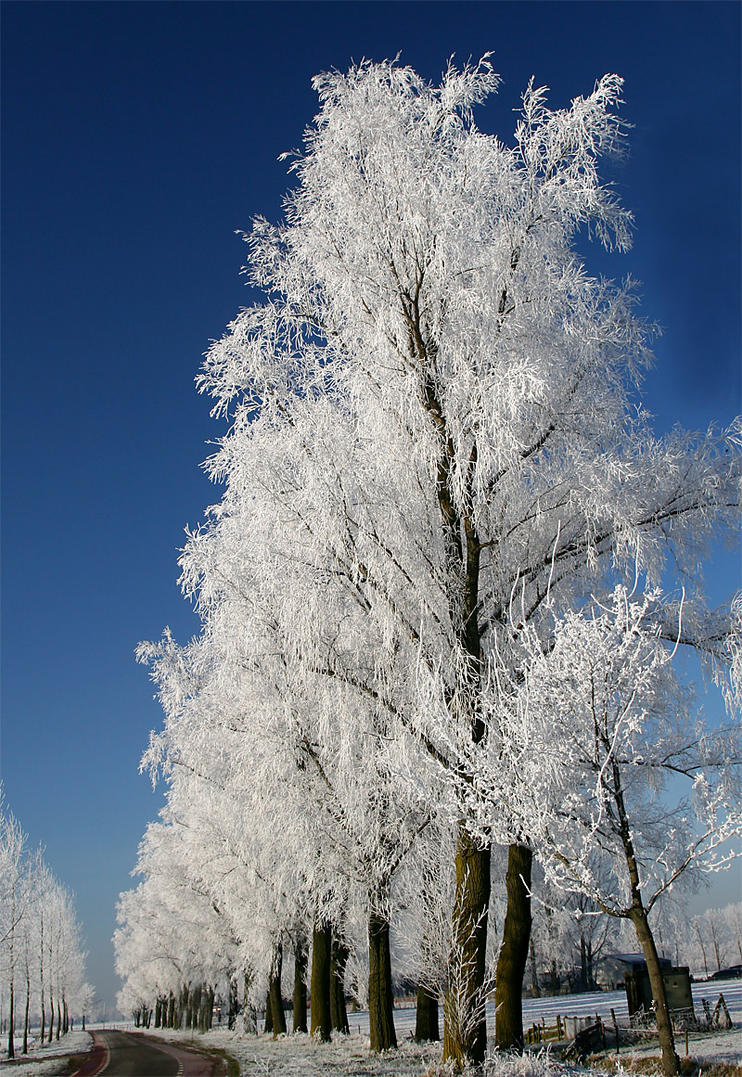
(137, 137)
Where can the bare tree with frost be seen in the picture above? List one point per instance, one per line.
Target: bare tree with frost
(425, 282)
(597, 747)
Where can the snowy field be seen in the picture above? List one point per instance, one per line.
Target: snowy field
(582, 1005)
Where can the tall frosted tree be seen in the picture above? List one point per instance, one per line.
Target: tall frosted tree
(425, 279)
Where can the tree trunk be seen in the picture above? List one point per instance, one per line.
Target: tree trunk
(300, 983)
(464, 1018)
(338, 960)
(590, 966)
(158, 1012)
(715, 944)
(25, 1014)
(426, 1016)
(204, 1010)
(703, 950)
(380, 992)
(320, 988)
(233, 1004)
(59, 1016)
(195, 1006)
(535, 986)
(43, 1017)
(268, 1022)
(249, 1017)
(670, 1062)
(11, 1023)
(210, 1010)
(183, 1007)
(511, 963)
(583, 964)
(274, 991)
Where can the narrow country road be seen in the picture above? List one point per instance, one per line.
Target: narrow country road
(134, 1054)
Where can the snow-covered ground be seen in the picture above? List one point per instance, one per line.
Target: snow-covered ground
(349, 1056)
(41, 1061)
(299, 1056)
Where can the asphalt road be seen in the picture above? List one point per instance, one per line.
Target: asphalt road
(134, 1054)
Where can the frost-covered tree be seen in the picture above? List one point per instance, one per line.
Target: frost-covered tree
(733, 916)
(480, 407)
(42, 963)
(300, 681)
(14, 895)
(619, 783)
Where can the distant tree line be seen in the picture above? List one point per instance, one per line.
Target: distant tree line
(42, 964)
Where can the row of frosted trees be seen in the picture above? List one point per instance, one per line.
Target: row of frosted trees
(42, 965)
(435, 643)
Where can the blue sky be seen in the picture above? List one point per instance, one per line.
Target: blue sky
(137, 138)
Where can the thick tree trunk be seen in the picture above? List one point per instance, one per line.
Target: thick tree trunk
(268, 1022)
(426, 1016)
(511, 963)
(158, 1012)
(274, 992)
(210, 1010)
(464, 1018)
(249, 1017)
(171, 1011)
(670, 1062)
(380, 992)
(204, 1009)
(320, 1000)
(338, 960)
(59, 1017)
(194, 1007)
(300, 984)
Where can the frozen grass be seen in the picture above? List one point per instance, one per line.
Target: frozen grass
(301, 1056)
(715, 1055)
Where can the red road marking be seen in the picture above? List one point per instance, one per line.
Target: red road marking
(96, 1061)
